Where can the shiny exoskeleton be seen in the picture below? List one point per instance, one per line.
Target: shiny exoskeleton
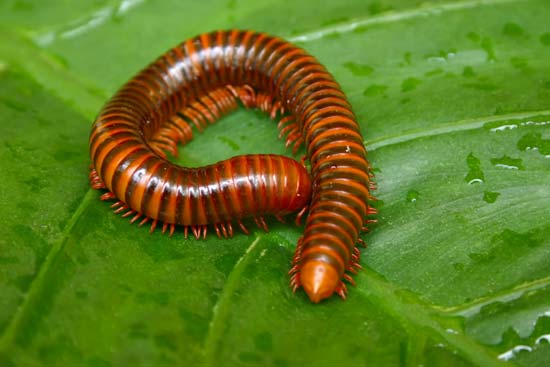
(201, 79)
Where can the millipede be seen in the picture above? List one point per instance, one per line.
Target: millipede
(193, 85)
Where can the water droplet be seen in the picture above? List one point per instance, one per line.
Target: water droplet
(504, 127)
(334, 21)
(545, 39)
(264, 341)
(489, 48)
(412, 196)
(441, 56)
(499, 110)
(473, 36)
(358, 69)
(378, 7)
(230, 142)
(519, 62)
(475, 180)
(508, 163)
(475, 174)
(506, 356)
(410, 84)
(516, 241)
(535, 123)
(490, 197)
(543, 338)
(408, 58)
(512, 29)
(374, 90)
(468, 72)
(264, 251)
(534, 141)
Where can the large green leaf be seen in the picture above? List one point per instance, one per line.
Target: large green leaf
(454, 103)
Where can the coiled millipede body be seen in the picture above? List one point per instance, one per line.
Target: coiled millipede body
(194, 84)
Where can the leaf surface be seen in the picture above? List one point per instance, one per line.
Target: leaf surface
(453, 101)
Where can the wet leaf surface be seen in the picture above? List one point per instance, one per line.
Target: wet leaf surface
(454, 102)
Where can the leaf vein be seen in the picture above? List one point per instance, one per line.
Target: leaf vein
(392, 17)
(24, 308)
(449, 127)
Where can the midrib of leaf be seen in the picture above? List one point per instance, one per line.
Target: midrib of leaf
(51, 75)
(448, 128)
(48, 72)
(392, 17)
(83, 24)
(11, 330)
(222, 306)
(413, 312)
(473, 307)
(416, 315)
(44, 69)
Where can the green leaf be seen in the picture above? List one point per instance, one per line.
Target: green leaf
(453, 98)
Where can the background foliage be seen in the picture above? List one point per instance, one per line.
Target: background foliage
(454, 103)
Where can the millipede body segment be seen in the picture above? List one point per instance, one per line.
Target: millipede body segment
(194, 84)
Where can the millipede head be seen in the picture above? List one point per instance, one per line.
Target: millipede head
(319, 280)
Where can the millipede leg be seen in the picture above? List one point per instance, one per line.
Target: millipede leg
(342, 290)
(371, 210)
(279, 218)
(300, 215)
(128, 213)
(284, 121)
(229, 228)
(297, 254)
(117, 204)
(243, 227)
(246, 95)
(224, 229)
(349, 279)
(95, 181)
(172, 229)
(136, 217)
(121, 209)
(288, 129)
(295, 282)
(196, 231)
(217, 229)
(153, 226)
(260, 221)
(297, 144)
(107, 196)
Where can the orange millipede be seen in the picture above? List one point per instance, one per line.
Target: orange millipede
(194, 84)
